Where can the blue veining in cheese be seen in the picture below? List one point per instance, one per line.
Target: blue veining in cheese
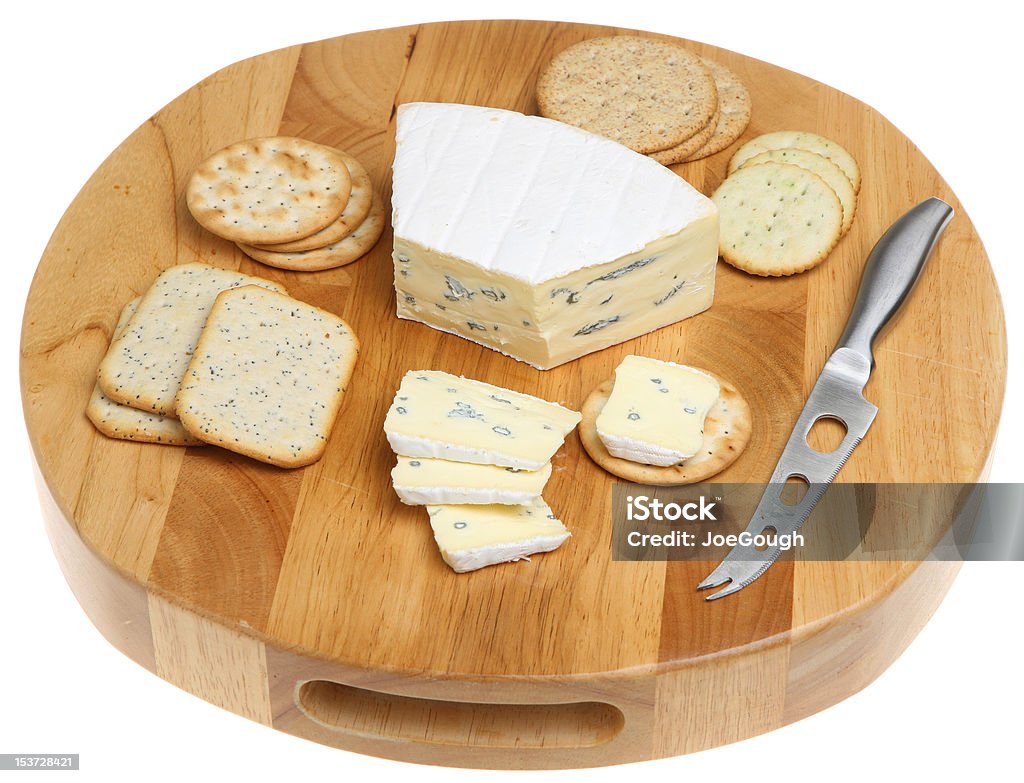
(419, 481)
(471, 537)
(435, 414)
(538, 239)
(655, 414)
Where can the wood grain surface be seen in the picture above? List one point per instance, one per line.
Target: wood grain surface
(314, 601)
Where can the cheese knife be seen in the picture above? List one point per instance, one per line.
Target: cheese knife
(892, 270)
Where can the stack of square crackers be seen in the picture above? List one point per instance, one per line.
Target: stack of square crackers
(209, 355)
(654, 96)
(288, 202)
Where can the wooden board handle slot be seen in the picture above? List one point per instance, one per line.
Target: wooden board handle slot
(371, 714)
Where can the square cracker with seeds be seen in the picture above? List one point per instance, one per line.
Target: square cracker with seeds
(144, 366)
(125, 423)
(267, 377)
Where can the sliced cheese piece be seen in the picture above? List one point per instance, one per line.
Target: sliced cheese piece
(421, 481)
(539, 239)
(655, 414)
(472, 537)
(435, 414)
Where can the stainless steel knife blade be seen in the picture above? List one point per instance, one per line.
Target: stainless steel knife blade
(892, 270)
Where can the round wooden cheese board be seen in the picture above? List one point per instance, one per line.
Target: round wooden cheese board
(313, 601)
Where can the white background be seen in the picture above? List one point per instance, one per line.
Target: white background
(80, 78)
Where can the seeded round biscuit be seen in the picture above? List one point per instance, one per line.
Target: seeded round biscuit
(821, 166)
(267, 190)
(727, 429)
(681, 152)
(776, 219)
(803, 140)
(645, 93)
(358, 206)
(345, 251)
(734, 108)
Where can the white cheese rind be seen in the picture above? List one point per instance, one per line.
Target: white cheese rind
(473, 559)
(438, 415)
(655, 413)
(527, 196)
(423, 481)
(541, 240)
(472, 536)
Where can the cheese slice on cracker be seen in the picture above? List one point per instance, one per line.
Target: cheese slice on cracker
(727, 430)
(655, 414)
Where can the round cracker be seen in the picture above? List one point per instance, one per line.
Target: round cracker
(356, 209)
(645, 93)
(823, 167)
(349, 249)
(803, 140)
(734, 106)
(727, 430)
(776, 219)
(681, 152)
(271, 189)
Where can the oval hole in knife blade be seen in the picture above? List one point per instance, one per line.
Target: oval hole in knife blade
(793, 490)
(768, 532)
(826, 434)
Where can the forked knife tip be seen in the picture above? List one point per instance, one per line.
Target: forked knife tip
(733, 586)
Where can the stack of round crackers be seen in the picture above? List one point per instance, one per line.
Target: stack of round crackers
(288, 202)
(789, 198)
(654, 96)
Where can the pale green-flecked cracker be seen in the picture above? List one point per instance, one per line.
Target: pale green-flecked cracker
(803, 140)
(823, 167)
(776, 219)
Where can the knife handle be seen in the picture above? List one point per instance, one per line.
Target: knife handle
(892, 270)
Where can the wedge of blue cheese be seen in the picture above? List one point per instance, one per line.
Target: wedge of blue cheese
(435, 414)
(655, 414)
(474, 536)
(539, 239)
(421, 481)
